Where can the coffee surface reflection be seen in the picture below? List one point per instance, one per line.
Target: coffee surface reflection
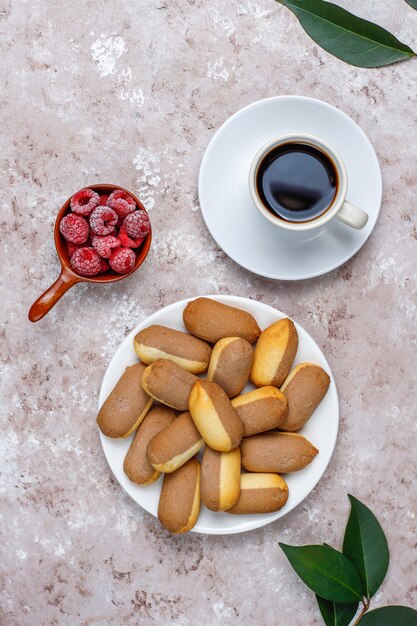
(296, 182)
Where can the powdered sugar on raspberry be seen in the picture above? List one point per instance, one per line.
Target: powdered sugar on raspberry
(74, 228)
(83, 202)
(119, 193)
(104, 245)
(137, 224)
(123, 260)
(103, 220)
(86, 261)
(121, 207)
(121, 202)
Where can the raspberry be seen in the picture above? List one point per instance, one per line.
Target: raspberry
(103, 220)
(128, 242)
(122, 260)
(103, 200)
(121, 202)
(104, 266)
(104, 245)
(73, 247)
(121, 207)
(120, 194)
(137, 224)
(84, 201)
(86, 261)
(74, 228)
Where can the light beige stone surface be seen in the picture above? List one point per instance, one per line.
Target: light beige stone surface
(131, 92)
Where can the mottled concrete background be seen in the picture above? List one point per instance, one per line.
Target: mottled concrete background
(131, 92)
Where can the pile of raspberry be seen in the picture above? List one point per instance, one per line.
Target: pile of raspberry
(102, 232)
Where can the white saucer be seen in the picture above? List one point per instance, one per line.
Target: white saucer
(230, 215)
(321, 429)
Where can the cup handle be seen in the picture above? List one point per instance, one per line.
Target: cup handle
(352, 216)
(51, 296)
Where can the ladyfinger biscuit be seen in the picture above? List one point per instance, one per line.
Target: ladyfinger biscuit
(211, 320)
(173, 446)
(277, 452)
(169, 383)
(220, 478)
(213, 414)
(260, 493)
(126, 406)
(179, 502)
(261, 409)
(230, 364)
(274, 353)
(160, 342)
(136, 464)
(305, 388)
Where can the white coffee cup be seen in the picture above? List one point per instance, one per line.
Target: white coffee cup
(339, 208)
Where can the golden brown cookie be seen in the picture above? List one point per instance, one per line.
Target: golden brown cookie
(160, 342)
(126, 406)
(173, 446)
(179, 502)
(211, 320)
(220, 478)
(213, 414)
(136, 464)
(260, 493)
(277, 452)
(261, 409)
(230, 364)
(305, 388)
(274, 353)
(169, 383)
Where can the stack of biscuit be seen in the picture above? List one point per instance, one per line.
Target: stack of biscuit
(176, 413)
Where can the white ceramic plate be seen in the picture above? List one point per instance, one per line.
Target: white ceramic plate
(321, 429)
(234, 222)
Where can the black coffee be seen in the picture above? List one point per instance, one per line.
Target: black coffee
(296, 182)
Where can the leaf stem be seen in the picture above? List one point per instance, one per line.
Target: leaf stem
(365, 603)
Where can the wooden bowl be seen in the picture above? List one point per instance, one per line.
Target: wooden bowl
(68, 277)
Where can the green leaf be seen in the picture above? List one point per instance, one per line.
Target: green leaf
(329, 573)
(390, 616)
(366, 546)
(346, 36)
(412, 3)
(336, 614)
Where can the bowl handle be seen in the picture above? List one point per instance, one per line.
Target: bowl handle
(47, 300)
